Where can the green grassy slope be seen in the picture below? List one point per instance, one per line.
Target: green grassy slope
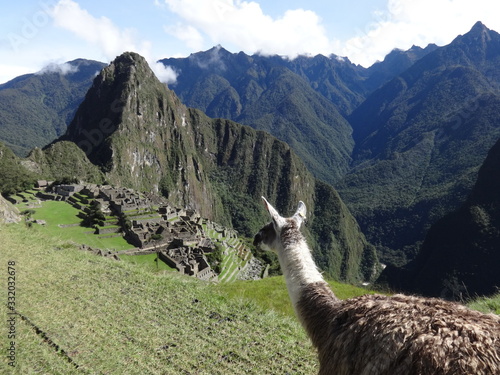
(487, 305)
(79, 313)
(56, 213)
(112, 317)
(271, 293)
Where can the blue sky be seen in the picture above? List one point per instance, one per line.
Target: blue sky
(37, 33)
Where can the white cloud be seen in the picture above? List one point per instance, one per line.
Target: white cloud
(187, 34)
(63, 69)
(104, 34)
(112, 41)
(408, 22)
(165, 74)
(243, 25)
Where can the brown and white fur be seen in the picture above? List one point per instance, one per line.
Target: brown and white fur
(375, 334)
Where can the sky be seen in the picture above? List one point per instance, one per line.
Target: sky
(39, 34)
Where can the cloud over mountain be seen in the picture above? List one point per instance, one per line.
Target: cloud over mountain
(245, 25)
(407, 22)
(53, 67)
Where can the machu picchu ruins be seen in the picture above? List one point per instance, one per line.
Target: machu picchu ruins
(179, 236)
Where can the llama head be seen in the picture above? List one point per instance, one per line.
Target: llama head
(270, 236)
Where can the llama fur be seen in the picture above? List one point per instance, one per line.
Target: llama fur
(376, 334)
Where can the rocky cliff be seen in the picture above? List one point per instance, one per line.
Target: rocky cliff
(8, 213)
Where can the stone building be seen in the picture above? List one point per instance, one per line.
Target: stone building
(189, 261)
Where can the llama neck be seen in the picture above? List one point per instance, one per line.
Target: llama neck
(312, 299)
(299, 269)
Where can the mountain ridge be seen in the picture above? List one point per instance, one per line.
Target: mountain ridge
(43, 103)
(420, 140)
(264, 93)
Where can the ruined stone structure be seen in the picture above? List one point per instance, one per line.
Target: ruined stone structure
(189, 261)
(123, 199)
(177, 234)
(67, 190)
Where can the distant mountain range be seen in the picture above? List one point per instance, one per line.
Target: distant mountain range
(402, 141)
(304, 102)
(37, 108)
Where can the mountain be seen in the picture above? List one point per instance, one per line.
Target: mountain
(14, 176)
(277, 95)
(141, 136)
(420, 140)
(36, 108)
(461, 252)
(63, 161)
(284, 97)
(304, 101)
(395, 63)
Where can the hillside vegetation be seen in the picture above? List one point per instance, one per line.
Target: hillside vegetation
(460, 252)
(36, 108)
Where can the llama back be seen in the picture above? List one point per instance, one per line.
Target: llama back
(401, 334)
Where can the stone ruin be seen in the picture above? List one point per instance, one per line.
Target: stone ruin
(177, 234)
(189, 261)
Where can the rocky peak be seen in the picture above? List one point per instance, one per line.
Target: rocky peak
(479, 43)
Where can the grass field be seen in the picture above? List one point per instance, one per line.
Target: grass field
(79, 313)
(148, 262)
(62, 213)
(83, 314)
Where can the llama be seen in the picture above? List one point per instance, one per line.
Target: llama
(376, 334)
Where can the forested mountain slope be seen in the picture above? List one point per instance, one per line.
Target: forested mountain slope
(460, 256)
(420, 140)
(36, 108)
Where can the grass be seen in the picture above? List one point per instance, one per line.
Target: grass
(112, 317)
(487, 305)
(148, 262)
(109, 317)
(57, 213)
(271, 293)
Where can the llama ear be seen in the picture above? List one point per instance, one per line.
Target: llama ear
(300, 214)
(277, 219)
